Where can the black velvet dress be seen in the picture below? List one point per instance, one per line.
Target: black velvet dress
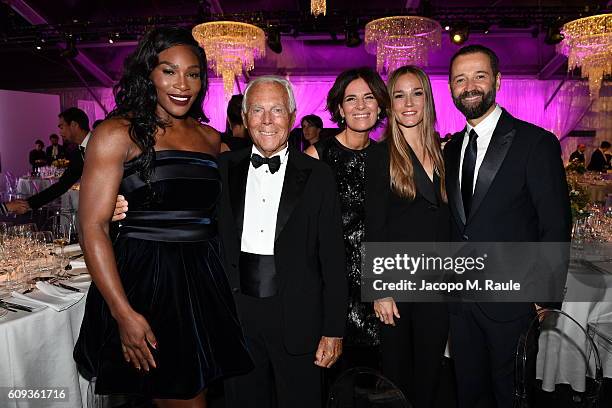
(362, 327)
(169, 261)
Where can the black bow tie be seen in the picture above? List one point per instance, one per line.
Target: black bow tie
(272, 162)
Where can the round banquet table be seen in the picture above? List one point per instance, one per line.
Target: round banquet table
(561, 359)
(36, 353)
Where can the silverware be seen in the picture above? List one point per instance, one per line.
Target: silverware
(16, 306)
(73, 257)
(63, 285)
(3, 306)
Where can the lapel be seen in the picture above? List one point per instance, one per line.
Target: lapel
(494, 157)
(424, 186)
(296, 176)
(237, 178)
(453, 155)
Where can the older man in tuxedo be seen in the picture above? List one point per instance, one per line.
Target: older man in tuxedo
(279, 218)
(505, 183)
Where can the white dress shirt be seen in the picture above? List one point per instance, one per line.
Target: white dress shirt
(261, 200)
(484, 130)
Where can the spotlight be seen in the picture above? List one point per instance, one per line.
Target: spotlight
(553, 35)
(71, 50)
(39, 43)
(446, 27)
(274, 40)
(459, 34)
(351, 37)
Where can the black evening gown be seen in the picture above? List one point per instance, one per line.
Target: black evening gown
(362, 327)
(169, 260)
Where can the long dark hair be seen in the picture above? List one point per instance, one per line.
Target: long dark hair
(136, 96)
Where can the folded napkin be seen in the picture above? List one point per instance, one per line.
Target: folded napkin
(72, 248)
(78, 263)
(81, 282)
(56, 298)
(57, 291)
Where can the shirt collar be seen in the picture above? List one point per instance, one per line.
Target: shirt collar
(282, 153)
(488, 124)
(85, 141)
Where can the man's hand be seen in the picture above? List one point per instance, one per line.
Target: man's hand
(329, 351)
(385, 309)
(18, 207)
(121, 207)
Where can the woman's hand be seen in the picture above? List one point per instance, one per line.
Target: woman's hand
(136, 336)
(121, 207)
(385, 310)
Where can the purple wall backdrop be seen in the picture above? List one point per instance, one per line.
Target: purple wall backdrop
(24, 117)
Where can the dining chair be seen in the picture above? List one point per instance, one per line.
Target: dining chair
(529, 390)
(364, 387)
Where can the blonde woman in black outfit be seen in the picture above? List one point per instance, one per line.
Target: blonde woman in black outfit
(406, 202)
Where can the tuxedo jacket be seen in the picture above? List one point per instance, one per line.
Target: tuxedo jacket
(71, 175)
(598, 161)
(521, 194)
(308, 248)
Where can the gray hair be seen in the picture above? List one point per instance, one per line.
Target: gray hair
(266, 79)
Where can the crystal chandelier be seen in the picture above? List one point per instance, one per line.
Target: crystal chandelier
(588, 44)
(230, 46)
(401, 40)
(318, 7)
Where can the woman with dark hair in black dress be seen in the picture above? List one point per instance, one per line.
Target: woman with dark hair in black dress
(160, 319)
(358, 102)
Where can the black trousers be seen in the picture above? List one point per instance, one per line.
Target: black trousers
(484, 351)
(413, 349)
(280, 379)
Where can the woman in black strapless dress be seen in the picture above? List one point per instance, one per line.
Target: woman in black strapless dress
(160, 319)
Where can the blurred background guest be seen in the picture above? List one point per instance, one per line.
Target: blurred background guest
(598, 158)
(55, 150)
(311, 127)
(236, 136)
(578, 154)
(37, 156)
(73, 126)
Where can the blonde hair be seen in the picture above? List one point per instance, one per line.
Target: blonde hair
(401, 168)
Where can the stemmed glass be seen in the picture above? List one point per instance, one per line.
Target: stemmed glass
(61, 238)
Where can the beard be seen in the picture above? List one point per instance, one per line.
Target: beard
(475, 111)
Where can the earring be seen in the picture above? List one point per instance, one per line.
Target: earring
(342, 120)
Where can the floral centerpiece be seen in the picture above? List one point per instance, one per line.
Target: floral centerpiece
(579, 198)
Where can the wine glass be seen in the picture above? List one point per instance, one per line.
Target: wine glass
(61, 238)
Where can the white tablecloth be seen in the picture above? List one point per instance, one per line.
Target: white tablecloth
(561, 359)
(36, 353)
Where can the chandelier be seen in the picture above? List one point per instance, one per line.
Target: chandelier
(318, 7)
(401, 40)
(588, 45)
(230, 46)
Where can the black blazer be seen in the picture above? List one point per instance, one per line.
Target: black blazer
(61, 153)
(427, 217)
(71, 175)
(598, 161)
(308, 250)
(521, 194)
